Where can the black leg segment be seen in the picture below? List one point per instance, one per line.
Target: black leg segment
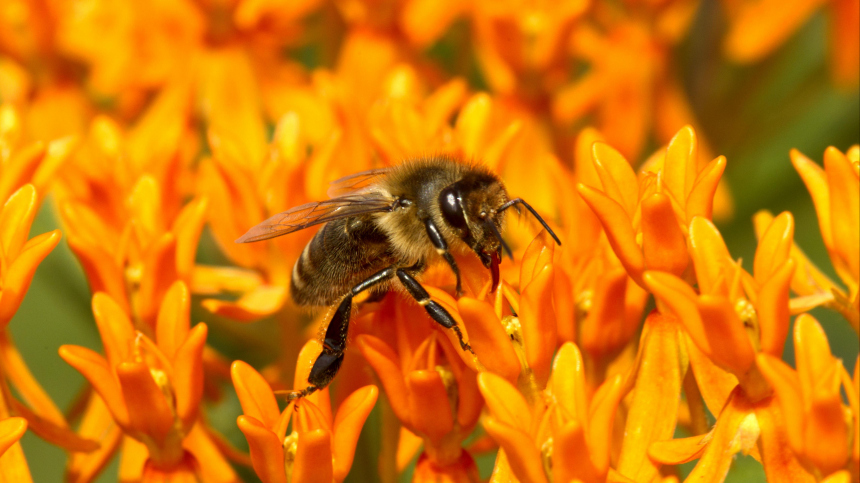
(328, 362)
(436, 311)
(442, 247)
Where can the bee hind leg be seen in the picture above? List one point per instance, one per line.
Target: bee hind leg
(327, 364)
(436, 311)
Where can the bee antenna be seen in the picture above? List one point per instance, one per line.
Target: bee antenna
(535, 213)
(501, 240)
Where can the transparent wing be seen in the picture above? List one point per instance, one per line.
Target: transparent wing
(310, 214)
(355, 182)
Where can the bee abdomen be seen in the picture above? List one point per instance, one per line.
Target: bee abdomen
(343, 253)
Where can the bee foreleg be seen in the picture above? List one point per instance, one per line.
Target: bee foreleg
(442, 247)
(436, 311)
(328, 362)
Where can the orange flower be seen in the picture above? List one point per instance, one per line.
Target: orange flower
(734, 317)
(13, 466)
(835, 191)
(319, 447)
(759, 27)
(20, 258)
(152, 391)
(563, 429)
(123, 215)
(645, 219)
(811, 401)
(432, 391)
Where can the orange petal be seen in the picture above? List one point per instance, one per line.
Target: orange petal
(58, 435)
(523, 457)
(488, 338)
(816, 183)
(313, 457)
(681, 300)
(537, 318)
(95, 369)
(663, 243)
(604, 331)
(760, 27)
(654, 408)
(786, 385)
(681, 164)
(619, 230)
(772, 308)
(839, 477)
(11, 430)
(774, 247)
(267, 452)
(252, 306)
(304, 362)
(27, 387)
(709, 253)
(188, 375)
(209, 447)
(115, 328)
(570, 456)
(187, 228)
(715, 383)
(779, 461)
(727, 342)
(255, 394)
(103, 275)
(844, 210)
(158, 274)
(173, 322)
(700, 201)
(617, 176)
(97, 424)
(538, 255)
(678, 451)
(429, 405)
(20, 273)
(148, 410)
(568, 383)
(15, 220)
(387, 366)
(13, 465)
(728, 437)
(347, 427)
(601, 418)
(504, 402)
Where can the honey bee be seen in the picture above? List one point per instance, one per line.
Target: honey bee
(382, 228)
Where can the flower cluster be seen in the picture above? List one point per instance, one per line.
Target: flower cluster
(155, 128)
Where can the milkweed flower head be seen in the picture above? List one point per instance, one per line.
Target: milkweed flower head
(152, 390)
(305, 441)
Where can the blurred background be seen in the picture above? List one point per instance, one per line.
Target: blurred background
(752, 112)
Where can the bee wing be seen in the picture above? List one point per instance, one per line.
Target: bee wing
(355, 182)
(310, 214)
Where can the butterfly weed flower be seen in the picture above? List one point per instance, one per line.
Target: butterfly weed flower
(431, 388)
(151, 390)
(835, 192)
(812, 404)
(320, 445)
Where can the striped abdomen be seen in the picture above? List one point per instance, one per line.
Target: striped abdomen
(343, 253)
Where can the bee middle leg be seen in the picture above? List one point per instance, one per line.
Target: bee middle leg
(328, 362)
(436, 311)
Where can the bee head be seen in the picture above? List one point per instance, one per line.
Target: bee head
(470, 207)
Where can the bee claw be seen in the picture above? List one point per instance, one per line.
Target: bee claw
(293, 395)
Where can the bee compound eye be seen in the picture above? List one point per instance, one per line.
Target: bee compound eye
(452, 209)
